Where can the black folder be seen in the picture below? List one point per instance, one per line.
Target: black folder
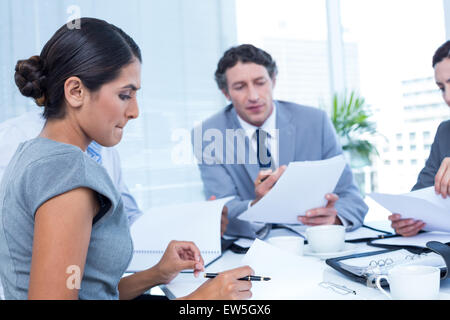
(440, 248)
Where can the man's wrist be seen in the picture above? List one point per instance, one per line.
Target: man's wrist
(338, 221)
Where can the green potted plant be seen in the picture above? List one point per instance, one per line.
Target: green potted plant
(350, 118)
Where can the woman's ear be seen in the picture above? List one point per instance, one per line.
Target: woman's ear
(74, 92)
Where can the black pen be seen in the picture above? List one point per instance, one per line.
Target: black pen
(247, 278)
(263, 179)
(381, 236)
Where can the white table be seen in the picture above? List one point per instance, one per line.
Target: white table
(185, 283)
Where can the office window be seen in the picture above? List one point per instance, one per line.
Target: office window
(181, 42)
(426, 135)
(412, 147)
(399, 148)
(413, 161)
(294, 33)
(396, 41)
(427, 147)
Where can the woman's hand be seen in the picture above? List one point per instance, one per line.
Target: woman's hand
(442, 179)
(405, 227)
(225, 286)
(179, 255)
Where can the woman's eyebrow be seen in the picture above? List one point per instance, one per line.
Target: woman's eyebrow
(131, 86)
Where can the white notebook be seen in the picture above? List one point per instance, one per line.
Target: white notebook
(198, 222)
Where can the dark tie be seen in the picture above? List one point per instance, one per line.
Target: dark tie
(262, 151)
(265, 162)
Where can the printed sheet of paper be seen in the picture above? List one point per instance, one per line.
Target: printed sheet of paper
(421, 204)
(301, 187)
(292, 276)
(198, 222)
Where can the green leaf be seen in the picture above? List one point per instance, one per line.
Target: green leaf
(351, 119)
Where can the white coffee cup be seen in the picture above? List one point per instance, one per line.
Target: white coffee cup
(326, 238)
(412, 282)
(292, 244)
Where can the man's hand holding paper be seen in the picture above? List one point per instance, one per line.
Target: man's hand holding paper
(303, 187)
(323, 215)
(265, 181)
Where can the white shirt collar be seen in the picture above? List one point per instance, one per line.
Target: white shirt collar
(269, 125)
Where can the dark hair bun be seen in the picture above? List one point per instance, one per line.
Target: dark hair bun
(30, 78)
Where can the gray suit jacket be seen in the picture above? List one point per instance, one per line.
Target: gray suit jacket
(440, 149)
(305, 134)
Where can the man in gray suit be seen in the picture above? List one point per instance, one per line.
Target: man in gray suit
(243, 149)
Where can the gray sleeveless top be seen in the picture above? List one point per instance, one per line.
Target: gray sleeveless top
(40, 170)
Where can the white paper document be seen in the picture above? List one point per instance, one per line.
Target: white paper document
(301, 187)
(423, 204)
(292, 276)
(198, 222)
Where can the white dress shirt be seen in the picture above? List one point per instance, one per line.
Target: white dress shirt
(272, 140)
(268, 126)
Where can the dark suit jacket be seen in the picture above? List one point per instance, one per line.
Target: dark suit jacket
(440, 149)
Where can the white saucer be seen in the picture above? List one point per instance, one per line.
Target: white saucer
(348, 249)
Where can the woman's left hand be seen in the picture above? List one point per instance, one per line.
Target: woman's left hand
(179, 255)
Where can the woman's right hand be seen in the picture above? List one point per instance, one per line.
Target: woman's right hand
(405, 227)
(225, 286)
(442, 179)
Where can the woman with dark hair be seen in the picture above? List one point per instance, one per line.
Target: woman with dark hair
(437, 168)
(63, 230)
